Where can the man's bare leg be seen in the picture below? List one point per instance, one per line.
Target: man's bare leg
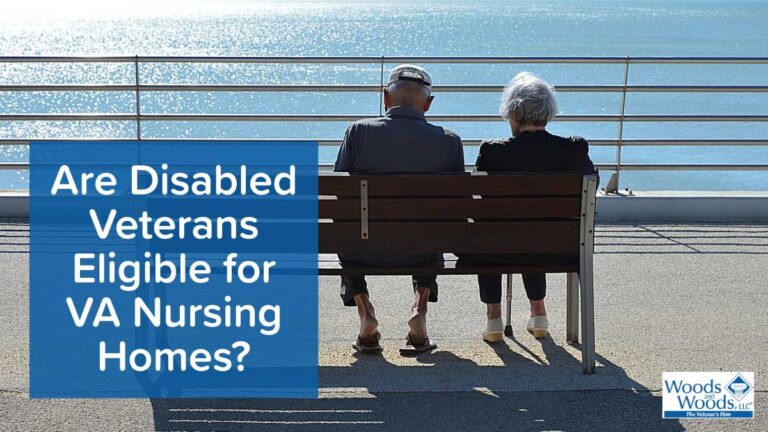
(417, 325)
(369, 326)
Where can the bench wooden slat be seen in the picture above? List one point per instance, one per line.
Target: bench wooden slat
(440, 237)
(443, 185)
(452, 208)
(450, 267)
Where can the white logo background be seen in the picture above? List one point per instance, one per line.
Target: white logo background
(708, 395)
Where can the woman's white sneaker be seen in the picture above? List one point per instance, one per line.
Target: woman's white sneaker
(538, 326)
(494, 330)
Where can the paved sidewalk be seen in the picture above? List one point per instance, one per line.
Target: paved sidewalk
(668, 298)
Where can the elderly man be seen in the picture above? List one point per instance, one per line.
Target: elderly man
(401, 141)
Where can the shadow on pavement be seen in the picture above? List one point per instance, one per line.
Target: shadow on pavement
(442, 392)
(672, 239)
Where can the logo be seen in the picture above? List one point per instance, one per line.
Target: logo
(703, 395)
(739, 387)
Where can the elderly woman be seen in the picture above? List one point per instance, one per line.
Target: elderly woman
(528, 104)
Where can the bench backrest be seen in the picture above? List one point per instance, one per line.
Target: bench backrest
(477, 213)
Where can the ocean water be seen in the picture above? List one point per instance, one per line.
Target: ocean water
(395, 28)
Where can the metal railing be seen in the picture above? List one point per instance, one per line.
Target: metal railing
(138, 88)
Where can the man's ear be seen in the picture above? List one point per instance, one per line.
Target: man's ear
(387, 98)
(428, 103)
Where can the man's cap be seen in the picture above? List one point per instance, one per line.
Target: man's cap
(412, 73)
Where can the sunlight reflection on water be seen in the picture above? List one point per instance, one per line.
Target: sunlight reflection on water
(373, 28)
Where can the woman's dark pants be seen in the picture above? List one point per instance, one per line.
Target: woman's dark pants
(535, 283)
(490, 287)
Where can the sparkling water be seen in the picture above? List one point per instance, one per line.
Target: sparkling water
(424, 28)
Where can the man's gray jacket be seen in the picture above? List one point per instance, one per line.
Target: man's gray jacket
(400, 142)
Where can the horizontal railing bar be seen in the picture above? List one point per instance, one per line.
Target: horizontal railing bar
(467, 142)
(683, 142)
(67, 59)
(380, 59)
(698, 60)
(686, 167)
(350, 118)
(194, 88)
(14, 166)
(690, 89)
(631, 167)
(68, 117)
(365, 88)
(595, 143)
(616, 89)
(66, 87)
(658, 167)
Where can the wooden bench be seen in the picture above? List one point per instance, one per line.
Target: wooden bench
(472, 213)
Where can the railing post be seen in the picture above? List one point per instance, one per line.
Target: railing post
(138, 96)
(613, 183)
(381, 88)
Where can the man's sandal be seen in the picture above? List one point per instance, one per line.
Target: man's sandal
(370, 347)
(411, 349)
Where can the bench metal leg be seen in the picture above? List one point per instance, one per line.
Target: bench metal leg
(508, 328)
(585, 274)
(572, 308)
(587, 320)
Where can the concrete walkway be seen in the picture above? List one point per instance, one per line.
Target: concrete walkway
(667, 298)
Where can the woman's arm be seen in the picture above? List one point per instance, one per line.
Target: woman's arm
(481, 164)
(589, 167)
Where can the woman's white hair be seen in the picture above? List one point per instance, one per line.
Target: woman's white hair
(528, 100)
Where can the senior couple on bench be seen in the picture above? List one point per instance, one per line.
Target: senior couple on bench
(402, 141)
